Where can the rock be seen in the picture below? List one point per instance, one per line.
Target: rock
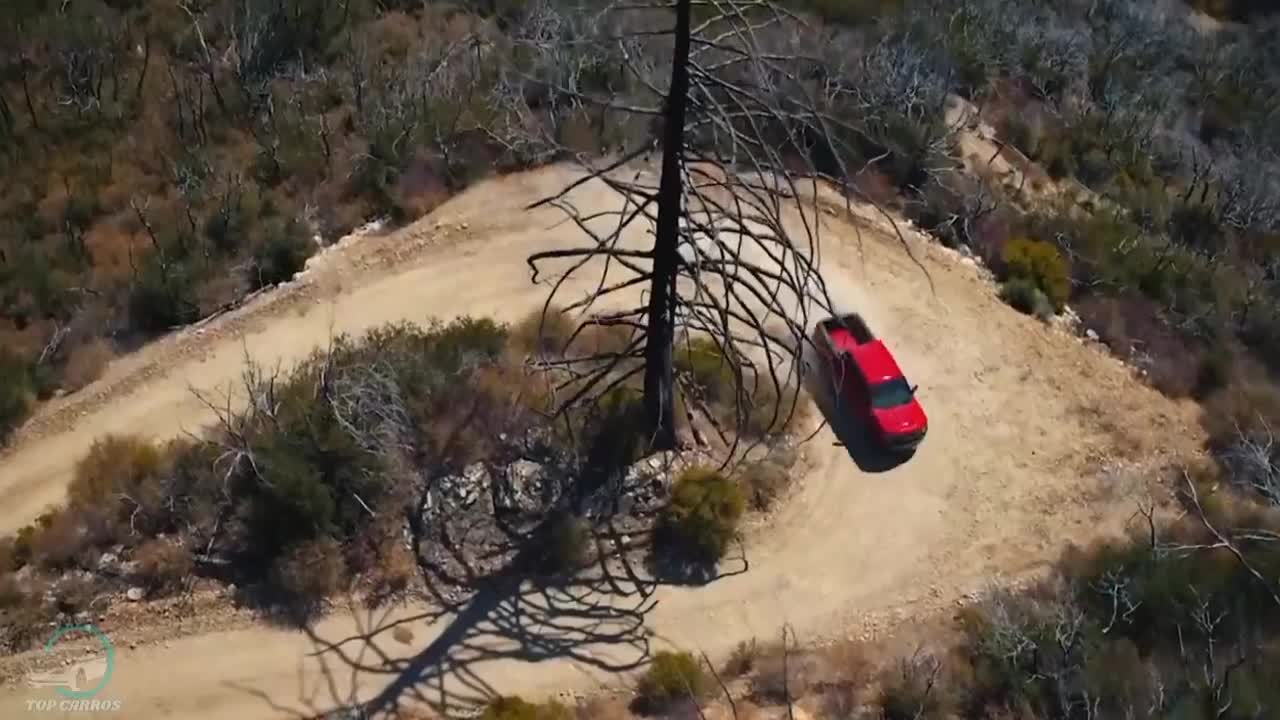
(465, 488)
(524, 487)
(82, 618)
(134, 594)
(130, 568)
(1091, 334)
(109, 563)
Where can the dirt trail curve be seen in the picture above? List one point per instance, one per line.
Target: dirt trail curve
(1024, 422)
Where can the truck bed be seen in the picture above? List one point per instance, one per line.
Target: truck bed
(846, 331)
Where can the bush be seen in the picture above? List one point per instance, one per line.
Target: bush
(542, 334)
(115, 465)
(162, 297)
(913, 692)
(514, 707)
(704, 361)
(1134, 328)
(163, 566)
(1042, 264)
(672, 676)
(86, 363)
(58, 540)
(702, 517)
(564, 544)
(1249, 406)
(280, 254)
(784, 673)
(1025, 297)
(307, 574)
(379, 555)
(743, 658)
(16, 393)
(24, 615)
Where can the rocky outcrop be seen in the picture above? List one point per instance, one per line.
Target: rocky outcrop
(475, 520)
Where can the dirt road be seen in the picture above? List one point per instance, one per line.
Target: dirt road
(1030, 431)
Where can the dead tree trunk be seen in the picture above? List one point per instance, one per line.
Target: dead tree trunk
(659, 376)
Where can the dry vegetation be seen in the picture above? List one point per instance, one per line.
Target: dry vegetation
(1172, 623)
(314, 488)
(159, 161)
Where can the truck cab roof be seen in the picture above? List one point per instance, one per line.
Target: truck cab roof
(873, 358)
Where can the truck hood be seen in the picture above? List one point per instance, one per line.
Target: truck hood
(903, 419)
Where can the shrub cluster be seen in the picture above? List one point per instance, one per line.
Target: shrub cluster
(702, 517)
(1036, 273)
(672, 676)
(303, 493)
(512, 707)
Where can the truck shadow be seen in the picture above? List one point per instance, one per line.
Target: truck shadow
(851, 432)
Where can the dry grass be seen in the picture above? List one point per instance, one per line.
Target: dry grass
(541, 334)
(114, 464)
(310, 572)
(57, 541)
(163, 566)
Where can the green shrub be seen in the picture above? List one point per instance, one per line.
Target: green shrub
(672, 676)
(16, 393)
(704, 361)
(1042, 264)
(565, 543)
(280, 254)
(514, 707)
(702, 517)
(162, 296)
(1023, 295)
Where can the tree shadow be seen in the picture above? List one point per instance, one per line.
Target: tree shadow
(478, 625)
(851, 431)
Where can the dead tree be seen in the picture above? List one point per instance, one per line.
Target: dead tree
(749, 124)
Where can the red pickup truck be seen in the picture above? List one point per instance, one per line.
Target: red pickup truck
(867, 381)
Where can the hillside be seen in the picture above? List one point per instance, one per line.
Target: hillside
(1019, 461)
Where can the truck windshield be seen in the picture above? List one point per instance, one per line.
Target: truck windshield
(891, 393)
